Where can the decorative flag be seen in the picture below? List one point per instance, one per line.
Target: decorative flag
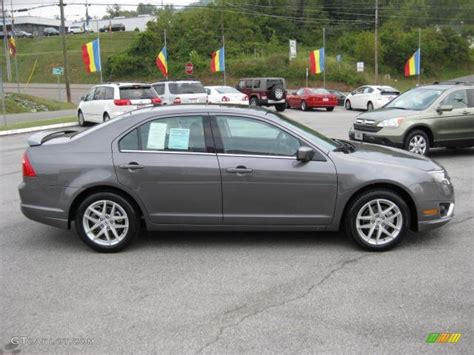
(218, 60)
(413, 65)
(162, 61)
(12, 46)
(316, 60)
(91, 56)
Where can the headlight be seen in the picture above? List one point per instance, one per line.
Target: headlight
(391, 122)
(440, 176)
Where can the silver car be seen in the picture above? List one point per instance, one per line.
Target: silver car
(226, 168)
(181, 92)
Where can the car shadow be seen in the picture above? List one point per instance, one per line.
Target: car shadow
(450, 152)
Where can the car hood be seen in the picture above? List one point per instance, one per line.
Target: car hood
(367, 152)
(386, 113)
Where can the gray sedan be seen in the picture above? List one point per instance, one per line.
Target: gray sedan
(226, 168)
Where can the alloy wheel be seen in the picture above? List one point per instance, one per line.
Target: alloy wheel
(105, 223)
(379, 221)
(417, 144)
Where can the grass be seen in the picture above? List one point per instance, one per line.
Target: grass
(12, 104)
(37, 123)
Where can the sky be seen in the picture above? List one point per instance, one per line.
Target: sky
(75, 12)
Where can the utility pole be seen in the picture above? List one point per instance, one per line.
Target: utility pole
(223, 41)
(63, 41)
(376, 50)
(16, 60)
(5, 44)
(324, 58)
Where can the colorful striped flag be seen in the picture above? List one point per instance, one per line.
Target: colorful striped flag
(413, 65)
(162, 61)
(218, 61)
(316, 61)
(12, 46)
(91, 56)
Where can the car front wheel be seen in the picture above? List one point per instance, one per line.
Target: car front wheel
(107, 222)
(378, 220)
(417, 142)
(80, 119)
(253, 101)
(347, 105)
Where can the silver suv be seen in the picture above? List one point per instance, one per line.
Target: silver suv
(181, 92)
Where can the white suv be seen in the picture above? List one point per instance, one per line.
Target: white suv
(107, 101)
(370, 97)
(181, 92)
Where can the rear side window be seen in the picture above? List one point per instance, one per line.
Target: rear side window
(181, 134)
(100, 93)
(470, 97)
(186, 88)
(160, 89)
(256, 84)
(109, 93)
(137, 92)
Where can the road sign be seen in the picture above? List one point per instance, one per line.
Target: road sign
(292, 49)
(188, 68)
(58, 71)
(338, 58)
(360, 66)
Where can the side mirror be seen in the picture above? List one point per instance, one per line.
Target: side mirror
(82, 98)
(353, 92)
(305, 154)
(444, 108)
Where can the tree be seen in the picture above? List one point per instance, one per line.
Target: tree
(146, 9)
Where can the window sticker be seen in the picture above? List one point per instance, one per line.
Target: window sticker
(157, 135)
(179, 138)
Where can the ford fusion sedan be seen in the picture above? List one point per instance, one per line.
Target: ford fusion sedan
(425, 117)
(220, 168)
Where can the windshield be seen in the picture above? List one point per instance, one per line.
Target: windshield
(416, 99)
(307, 132)
(227, 90)
(187, 88)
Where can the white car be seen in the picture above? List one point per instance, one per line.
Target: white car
(180, 92)
(106, 101)
(370, 97)
(226, 95)
(76, 29)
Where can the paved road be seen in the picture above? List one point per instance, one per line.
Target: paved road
(50, 91)
(237, 292)
(33, 116)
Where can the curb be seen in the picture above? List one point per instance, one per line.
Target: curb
(37, 128)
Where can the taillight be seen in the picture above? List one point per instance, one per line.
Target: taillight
(225, 99)
(27, 167)
(122, 102)
(156, 101)
(245, 98)
(177, 101)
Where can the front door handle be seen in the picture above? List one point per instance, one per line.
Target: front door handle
(131, 166)
(240, 170)
(465, 112)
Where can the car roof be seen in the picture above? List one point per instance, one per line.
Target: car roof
(176, 81)
(122, 84)
(264, 77)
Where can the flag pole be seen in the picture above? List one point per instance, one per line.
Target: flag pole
(167, 69)
(16, 49)
(100, 50)
(419, 55)
(324, 59)
(223, 41)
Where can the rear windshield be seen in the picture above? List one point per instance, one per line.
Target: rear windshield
(186, 88)
(227, 90)
(320, 91)
(416, 99)
(274, 82)
(389, 91)
(137, 92)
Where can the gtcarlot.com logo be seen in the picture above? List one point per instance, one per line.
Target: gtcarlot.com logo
(443, 338)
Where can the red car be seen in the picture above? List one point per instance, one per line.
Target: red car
(308, 98)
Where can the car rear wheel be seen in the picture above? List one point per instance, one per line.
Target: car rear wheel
(330, 109)
(378, 220)
(347, 105)
(304, 106)
(106, 117)
(370, 106)
(253, 101)
(107, 222)
(280, 107)
(417, 142)
(80, 119)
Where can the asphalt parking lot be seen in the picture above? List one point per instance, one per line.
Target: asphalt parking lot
(236, 292)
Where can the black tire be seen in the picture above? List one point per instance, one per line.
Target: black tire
(303, 106)
(348, 105)
(277, 93)
(106, 117)
(412, 137)
(80, 119)
(360, 202)
(132, 215)
(330, 109)
(280, 107)
(370, 106)
(253, 101)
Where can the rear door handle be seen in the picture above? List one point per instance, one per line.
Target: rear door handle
(240, 170)
(465, 112)
(131, 166)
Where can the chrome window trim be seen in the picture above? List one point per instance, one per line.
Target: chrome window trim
(164, 152)
(258, 156)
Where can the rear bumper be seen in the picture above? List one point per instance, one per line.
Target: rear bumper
(50, 216)
(269, 102)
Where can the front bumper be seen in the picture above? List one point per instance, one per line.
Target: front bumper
(437, 222)
(376, 138)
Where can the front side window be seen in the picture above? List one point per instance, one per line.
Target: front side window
(300, 92)
(179, 134)
(457, 99)
(99, 93)
(242, 135)
(90, 95)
